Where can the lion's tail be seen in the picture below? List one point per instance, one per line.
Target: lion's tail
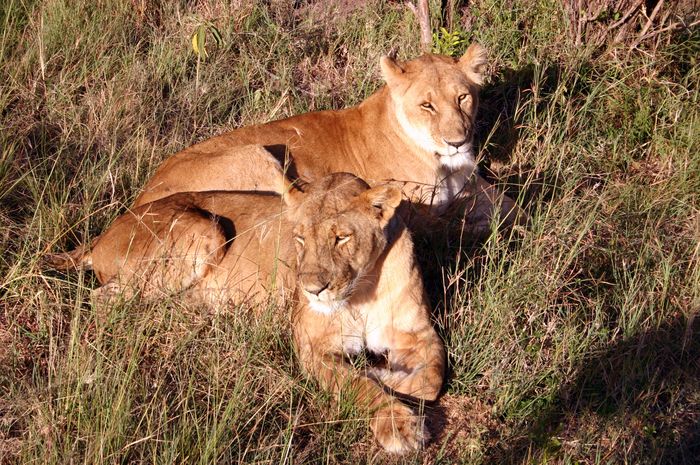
(79, 258)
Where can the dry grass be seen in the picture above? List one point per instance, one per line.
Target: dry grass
(575, 343)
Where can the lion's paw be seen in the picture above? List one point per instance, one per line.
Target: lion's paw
(398, 429)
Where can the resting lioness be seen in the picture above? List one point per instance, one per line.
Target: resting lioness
(417, 131)
(342, 249)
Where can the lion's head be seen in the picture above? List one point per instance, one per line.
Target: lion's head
(341, 229)
(435, 99)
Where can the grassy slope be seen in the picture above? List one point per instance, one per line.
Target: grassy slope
(574, 343)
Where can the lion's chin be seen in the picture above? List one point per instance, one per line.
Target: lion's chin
(326, 307)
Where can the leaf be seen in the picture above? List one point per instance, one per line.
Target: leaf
(195, 47)
(202, 40)
(216, 35)
(199, 40)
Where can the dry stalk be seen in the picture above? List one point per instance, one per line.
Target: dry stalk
(671, 27)
(635, 25)
(650, 21)
(422, 12)
(625, 17)
(571, 7)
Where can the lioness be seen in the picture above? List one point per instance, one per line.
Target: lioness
(342, 249)
(417, 132)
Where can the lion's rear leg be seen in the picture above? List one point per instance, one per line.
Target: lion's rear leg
(188, 256)
(158, 253)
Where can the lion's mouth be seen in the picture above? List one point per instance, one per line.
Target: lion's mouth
(464, 149)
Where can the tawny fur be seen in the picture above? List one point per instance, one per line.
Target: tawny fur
(342, 249)
(400, 134)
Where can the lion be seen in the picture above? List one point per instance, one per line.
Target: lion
(416, 132)
(336, 248)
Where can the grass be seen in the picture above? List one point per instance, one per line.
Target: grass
(576, 342)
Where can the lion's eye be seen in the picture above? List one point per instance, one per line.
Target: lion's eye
(299, 239)
(342, 239)
(462, 98)
(427, 106)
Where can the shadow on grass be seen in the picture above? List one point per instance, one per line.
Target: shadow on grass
(646, 386)
(497, 127)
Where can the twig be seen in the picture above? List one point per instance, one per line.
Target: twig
(595, 15)
(40, 37)
(450, 13)
(648, 24)
(672, 27)
(422, 12)
(665, 18)
(624, 18)
(663, 22)
(577, 15)
(573, 20)
(582, 21)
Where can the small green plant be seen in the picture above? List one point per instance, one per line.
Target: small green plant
(199, 39)
(199, 44)
(449, 42)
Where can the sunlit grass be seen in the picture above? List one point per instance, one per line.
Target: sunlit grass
(574, 342)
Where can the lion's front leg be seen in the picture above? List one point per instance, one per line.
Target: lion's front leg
(489, 202)
(397, 428)
(416, 365)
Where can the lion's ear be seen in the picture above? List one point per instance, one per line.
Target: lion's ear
(473, 63)
(383, 199)
(391, 70)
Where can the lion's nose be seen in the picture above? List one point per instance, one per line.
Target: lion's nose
(456, 144)
(316, 288)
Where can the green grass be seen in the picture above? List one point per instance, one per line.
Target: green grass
(575, 342)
